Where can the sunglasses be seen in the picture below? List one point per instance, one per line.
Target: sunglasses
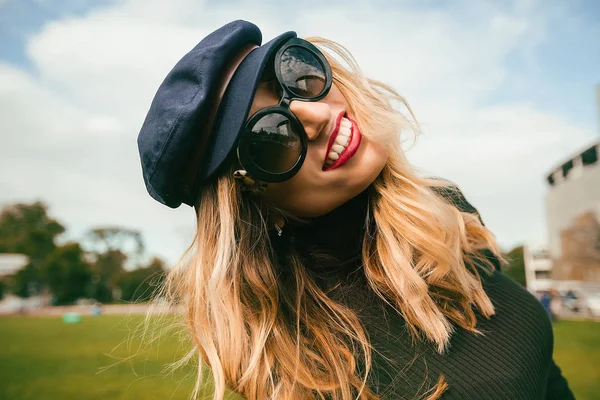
(273, 142)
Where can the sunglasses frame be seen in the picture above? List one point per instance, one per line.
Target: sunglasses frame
(283, 107)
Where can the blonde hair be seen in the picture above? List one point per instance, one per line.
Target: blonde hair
(268, 335)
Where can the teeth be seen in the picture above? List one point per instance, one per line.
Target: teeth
(337, 148)
(343, 136)
(335, 151)
(341, 141)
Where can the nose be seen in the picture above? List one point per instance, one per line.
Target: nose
(314, 116)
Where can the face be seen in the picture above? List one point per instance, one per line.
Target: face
(340, 162)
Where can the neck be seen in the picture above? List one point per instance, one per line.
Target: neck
(332, 244)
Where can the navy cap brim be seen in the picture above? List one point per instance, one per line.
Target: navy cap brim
(235, 106)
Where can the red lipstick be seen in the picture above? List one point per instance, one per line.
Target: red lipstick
(351, 148)
(334, 133)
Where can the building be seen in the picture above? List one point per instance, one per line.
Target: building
(574, 191)
(573, 217)
(572, 253)
(538, 266)
(11, 263)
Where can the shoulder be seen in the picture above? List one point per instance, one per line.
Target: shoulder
(517, 309)
(452, 194)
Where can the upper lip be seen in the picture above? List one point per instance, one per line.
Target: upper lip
(334, 134)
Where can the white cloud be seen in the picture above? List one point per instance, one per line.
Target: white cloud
(83, 164)
(71, 128)
(109, 63)
(500, 157)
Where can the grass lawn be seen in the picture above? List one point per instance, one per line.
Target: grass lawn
(577, 353)
(44, 359)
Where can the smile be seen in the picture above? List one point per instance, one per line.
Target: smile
(343, 143)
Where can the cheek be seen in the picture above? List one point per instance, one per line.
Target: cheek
(377, 156)
(299, 196)
(306, 195)
(311, 193)
(309, 196)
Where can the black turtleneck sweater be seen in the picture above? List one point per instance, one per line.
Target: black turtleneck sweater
(511, 360)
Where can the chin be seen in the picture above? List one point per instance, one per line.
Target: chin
(363, 176)
(319, 207)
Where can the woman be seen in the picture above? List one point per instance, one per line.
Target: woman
(323, 265)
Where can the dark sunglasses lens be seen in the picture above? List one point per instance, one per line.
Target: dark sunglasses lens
(302, 72)
(275, 146)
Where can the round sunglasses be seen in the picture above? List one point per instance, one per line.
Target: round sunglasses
(273, 143)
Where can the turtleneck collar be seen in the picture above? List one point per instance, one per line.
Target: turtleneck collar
(332, 244)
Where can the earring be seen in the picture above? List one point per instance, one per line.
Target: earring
(279, 224)
(247, 183)
(279, 230)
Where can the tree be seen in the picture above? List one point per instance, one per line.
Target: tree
(27, 229)
(2, 288)
(516, 265)
(107, 269)
(141, 283)
(67, 274)
(111, 249)
(27, 281)
(105, 239)
(68, 271)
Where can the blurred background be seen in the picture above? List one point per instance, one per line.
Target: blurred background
(505, 92)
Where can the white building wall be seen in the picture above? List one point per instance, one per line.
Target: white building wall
(537, 268)
(570, 197)
(11, 263)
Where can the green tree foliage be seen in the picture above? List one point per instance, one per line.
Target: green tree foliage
(67, 274)
(27, 281)
(141, 283)
(109, 266)
(105, 239)
(27, 229)
(516, 265)
(107, 269)
(112, 248)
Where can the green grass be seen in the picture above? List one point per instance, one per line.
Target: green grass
(44, 359)
(577, 353)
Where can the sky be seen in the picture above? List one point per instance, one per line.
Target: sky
(504, 92)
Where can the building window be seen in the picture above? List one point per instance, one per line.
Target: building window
(590, 156)
(567, 167)
(541, 254)
(542, 274)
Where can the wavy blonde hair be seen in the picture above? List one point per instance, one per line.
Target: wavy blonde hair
(268, 335)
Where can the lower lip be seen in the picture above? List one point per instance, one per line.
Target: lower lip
(349, 151)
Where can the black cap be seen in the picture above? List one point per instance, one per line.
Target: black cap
(185, 138)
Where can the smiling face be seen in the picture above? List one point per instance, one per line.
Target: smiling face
(340, 162)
